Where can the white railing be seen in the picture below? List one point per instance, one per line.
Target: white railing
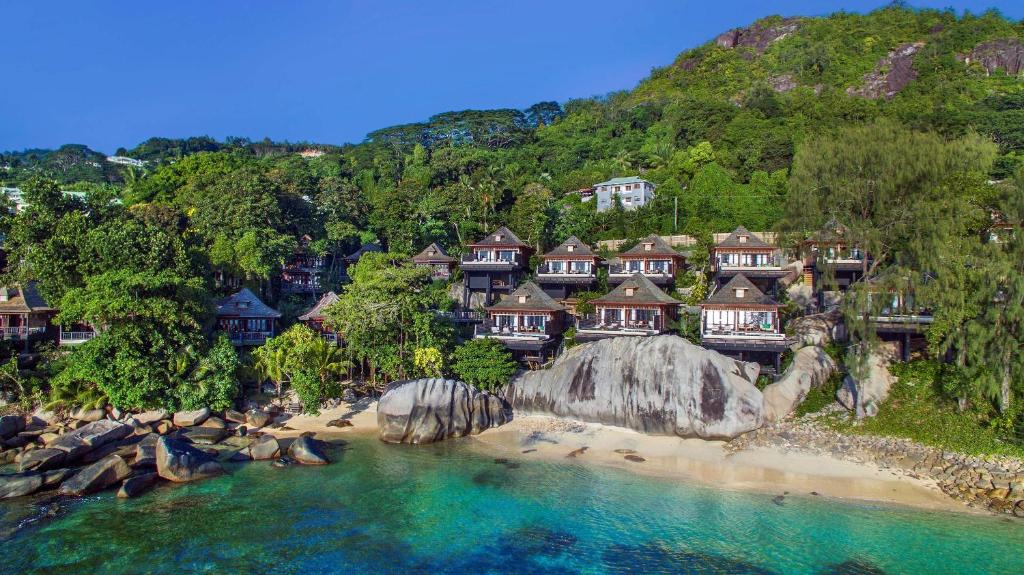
(73, 337)
(729, 332)
(249, 337)
(21, 331)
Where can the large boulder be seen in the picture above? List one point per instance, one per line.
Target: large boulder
(434, 409)
(265, 447)
(88, 415)
(11, 425)
(137, 484)
(150, 417)
(257, 418)
(818, 329)
(864, 395)
(202, 435)
(19, 484)
(811, 368)
(190, 418)
(96, 477)
(307, 451)
(92, 436)
(42, 459)
(180, 462)
(660, 385)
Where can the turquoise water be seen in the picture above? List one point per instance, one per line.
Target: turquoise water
(446, 509)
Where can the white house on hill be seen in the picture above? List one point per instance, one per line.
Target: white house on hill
(633, 191)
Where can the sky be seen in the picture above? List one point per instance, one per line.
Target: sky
(113, 73)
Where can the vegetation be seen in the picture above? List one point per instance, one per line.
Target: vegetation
(483, 363)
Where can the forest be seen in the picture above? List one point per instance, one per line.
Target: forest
(780, 126)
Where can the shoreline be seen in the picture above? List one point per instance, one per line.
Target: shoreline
(759, 469)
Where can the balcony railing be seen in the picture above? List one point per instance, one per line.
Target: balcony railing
(764, 331)
(597, 324)
(249, 337)
(75, 337)
(20, 331)
(888, 316)
(488, 328)
(772, 262)
(619, 270)
(546, 270)
(474, 259)
(461, 316)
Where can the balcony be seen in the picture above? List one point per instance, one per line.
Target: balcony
(564, 274)
(461, 316)
(21, 332)
(772, 263)
(756, 331)
(75, 337)
(597, 325)
(249, 337)
(488, 328)
(484, 262)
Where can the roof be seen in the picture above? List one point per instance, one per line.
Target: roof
(245, 304)
(22, 298)
(502, 237)
(733, 240)
(317, 310)
(660, 248)
(832, 231)
(365, 248)
(579, 249)
(726, 295)
(433, 254)
(643, 292)
(536, 300)
(623, 180)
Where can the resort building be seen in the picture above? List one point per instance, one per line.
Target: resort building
(569, 268)
(364, 249)
(528, 323)
(740, 321)
(301, 273)
(245, 319)
(632, 191)
(314, 318)
(829, 254)
(901, 320)
(75, 334)
(441, 265)
(652, 257)
(493, 265)
(741, 252)
(24, 314)
(635, 307)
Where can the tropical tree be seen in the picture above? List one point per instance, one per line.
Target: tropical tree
(483, 363)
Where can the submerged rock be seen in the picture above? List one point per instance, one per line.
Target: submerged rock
(180, 462)
(811, 368)
(96, 477)
(660, 385)
(434, 409)
(306, 451)
(137, 485)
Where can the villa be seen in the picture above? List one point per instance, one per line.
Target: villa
(652, 257)
(632, 191)
(829, 254)
(494, 264)
(569, 268)
(739, 320)
(24, 314)
(528, 323)
(245, 319)
(363, 250)
(636, 307)
(900, 319)
(742, 252)
(441, 265)
(301, 273)
(314, 318)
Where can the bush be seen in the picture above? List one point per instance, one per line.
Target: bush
(483, 363)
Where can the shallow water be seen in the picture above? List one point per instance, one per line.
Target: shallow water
(445, 509)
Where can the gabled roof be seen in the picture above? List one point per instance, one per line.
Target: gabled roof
(501, 237)
(245, 304)
(642, 289)
(22, 298)
(726, 295)
(733, 240)
(365, 248)
(578, 249)
(658, 248)
(623, 180)
(536, 300)
(433, 254)
(317, 311)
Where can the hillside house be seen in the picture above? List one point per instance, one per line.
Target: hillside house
(569, 268)
(742, 252)
(493, 265)
(245, 319)
(24, 314)
(302, 271)
(652, 257)
(528, 323)
(441, 265)
(632, 191)
(315, 318)
(739, 320)
(636, 307)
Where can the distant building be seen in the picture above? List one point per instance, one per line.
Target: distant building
(636, 307)
(567, 269)
(740, 321)
(315, 318)
(17, 197)
(494, 264)
(245, 319)
(434, 257)
(742, 252)
(311, 153)
(24, 314)
(652, 257)
(633, 191)
(126, 161)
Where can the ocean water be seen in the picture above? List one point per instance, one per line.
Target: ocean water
(448, 509)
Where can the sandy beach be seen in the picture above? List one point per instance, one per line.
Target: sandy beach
(768, 470)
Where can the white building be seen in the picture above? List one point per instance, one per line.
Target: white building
(633, 191)
(126, 161)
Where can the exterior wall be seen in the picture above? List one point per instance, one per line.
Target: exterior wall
(638, 195)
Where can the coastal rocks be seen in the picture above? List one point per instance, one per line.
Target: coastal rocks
(90, 437)
(190, 418)
(1006, 54)
(96, 477)
(306, 451)
(151, 417)
(819, 329)
(234, 416)
(660, 385)
(434, 409)
(42, 459)
(11, 425)
(891, 74)
(20, 484)
(88, 415)
(256, 419)
(180, 462)
(203, 435)
(137, 485)
(340, 422)
(864, 396)
(264, 447)
(811, 368)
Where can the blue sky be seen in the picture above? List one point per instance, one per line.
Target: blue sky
(111, 74)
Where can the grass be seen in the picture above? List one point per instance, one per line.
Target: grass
(819, 397)
(916, 410)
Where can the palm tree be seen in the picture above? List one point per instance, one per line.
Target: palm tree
(271, 366)
(328, 359)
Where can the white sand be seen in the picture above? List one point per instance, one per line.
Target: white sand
(767, 470)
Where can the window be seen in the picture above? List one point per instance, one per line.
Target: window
(629, 187)
(740, 292)
(570, 248)
(743, 239)
(630, 291)
(618, 188)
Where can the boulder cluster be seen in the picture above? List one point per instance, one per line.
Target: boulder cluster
(97, 449)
